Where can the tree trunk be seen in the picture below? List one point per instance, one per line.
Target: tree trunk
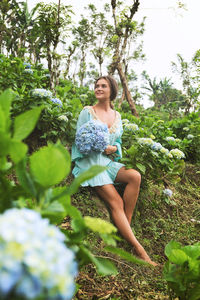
(126, 90)
(122, 99)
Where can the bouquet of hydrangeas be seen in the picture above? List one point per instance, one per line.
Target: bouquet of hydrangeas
(34, 261)
(92, 136)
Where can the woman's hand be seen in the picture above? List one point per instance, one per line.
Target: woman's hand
(110, 150)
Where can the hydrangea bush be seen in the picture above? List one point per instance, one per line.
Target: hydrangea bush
(34, 261)
(92, 136)
(155, 160)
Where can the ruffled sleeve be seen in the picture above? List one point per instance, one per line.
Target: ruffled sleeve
(118, 142)
(84, 117)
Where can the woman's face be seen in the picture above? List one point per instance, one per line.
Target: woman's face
(102, 90)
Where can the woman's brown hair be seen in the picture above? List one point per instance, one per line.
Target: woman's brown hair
(113, 86)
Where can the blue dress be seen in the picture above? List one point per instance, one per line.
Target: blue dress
(84, 162)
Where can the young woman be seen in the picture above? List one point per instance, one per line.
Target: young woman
(121, 208)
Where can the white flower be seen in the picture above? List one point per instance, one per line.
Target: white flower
(28, 71)
(145, 141)
(190, 136)
(170, 138)
(63, 118)
(125, 121)
(42, 93)
(176, 153)
(164, 151)
(131, 127)
(168, 192)
(170, 155)
(34, 260)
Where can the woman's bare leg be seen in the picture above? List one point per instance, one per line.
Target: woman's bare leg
(109, 194)
(131, 192)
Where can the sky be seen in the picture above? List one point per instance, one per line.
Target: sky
(168, 31)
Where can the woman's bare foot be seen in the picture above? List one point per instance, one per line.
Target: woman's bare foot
(144, 256)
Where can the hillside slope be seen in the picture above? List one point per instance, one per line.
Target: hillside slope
(155, 223)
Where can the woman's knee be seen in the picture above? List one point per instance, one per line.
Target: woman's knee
(134, 176)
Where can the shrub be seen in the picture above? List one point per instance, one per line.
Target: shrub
(182, 270)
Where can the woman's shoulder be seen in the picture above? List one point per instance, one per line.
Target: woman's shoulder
(85, 110)
(87, 107)
(89, 110)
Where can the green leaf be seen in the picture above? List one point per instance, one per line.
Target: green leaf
(2, 120)
(178, 257)
(5, 194)
(5, 102)
(17, 151)
(4, 165)
(126, 255)
(66, 154)
(192, 250)
(74, 212)
(141, 167)
(25, 179)
(103, 265)
(78, 225)
(99, 225)
(170, 246)
(25, 123)
(93, 171)
(49, 166)
(55, 212)
(4, 144)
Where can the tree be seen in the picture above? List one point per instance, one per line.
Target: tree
(163, 94)
(190, 82)
(126, 31)
(102, 32)
(16, 24)
(53, 19)
(83, 35)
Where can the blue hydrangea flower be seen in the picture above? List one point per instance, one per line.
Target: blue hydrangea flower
(42, 93)
(27, 65)
(168, 192)
(176, 153)
(56, 101)
(92, 136)
(34, 261)
(156, 146)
